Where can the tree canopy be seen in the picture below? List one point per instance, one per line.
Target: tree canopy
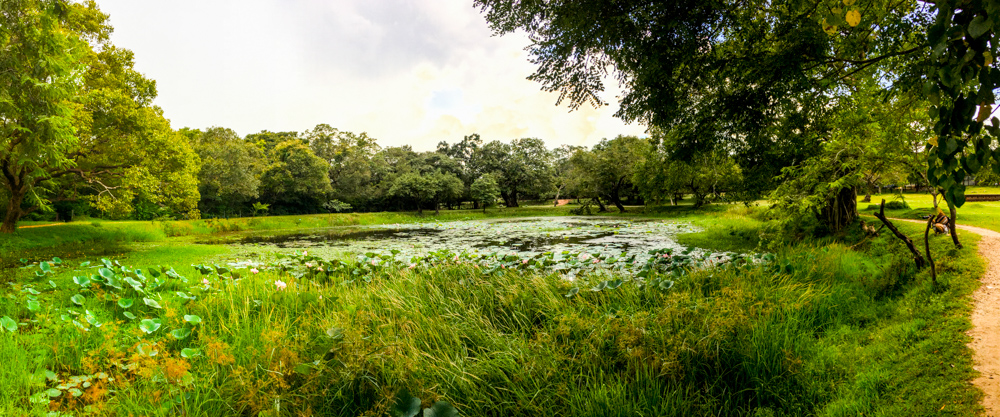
(77, 119)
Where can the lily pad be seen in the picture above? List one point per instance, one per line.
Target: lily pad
(150, 325)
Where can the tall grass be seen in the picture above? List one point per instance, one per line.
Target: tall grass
(820, 330)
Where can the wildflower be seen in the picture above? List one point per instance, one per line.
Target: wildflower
(524, 261)
(319, 268)
(374, 263)
(280, 284)
(666, 255)
(305, 252)
(254, 270)
(309, 265)
(413, 266)
(596, 260)
(205, 281)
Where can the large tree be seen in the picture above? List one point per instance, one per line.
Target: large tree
(523, 167)
(297, 180)
(230, 169)
(752, 77)
(77, 120)
(351, 156)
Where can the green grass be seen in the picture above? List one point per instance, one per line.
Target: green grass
(984, 214)
(823, 329)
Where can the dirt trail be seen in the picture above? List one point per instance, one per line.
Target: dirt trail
(985, 317)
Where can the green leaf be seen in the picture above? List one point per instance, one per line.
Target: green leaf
(150, 325)
(151, 302)
(82, 281)
(53, 393)
(106, 273)
(193, 319)
(979, 26)
(335, 333)
(84, 264)
(405, 405)
(34, 305)
(56, 260)
(78, 299)
(572, 292)
(125, 302)
(129, 315)
(303, 368)
(45, 267)
(190, 353)
(441, 409)
(181, 333)
(8, 324)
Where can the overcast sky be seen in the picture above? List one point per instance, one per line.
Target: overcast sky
(407, 72)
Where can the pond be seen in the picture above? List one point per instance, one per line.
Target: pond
(625, 242)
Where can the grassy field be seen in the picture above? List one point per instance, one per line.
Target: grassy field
(829, 327)
(985, 214)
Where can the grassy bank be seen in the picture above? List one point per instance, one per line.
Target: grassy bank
(820, 329)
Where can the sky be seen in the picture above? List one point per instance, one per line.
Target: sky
(406, 72)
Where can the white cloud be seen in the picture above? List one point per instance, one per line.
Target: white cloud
(407, 72)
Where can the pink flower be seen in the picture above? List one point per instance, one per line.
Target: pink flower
(665, 255)
(374, 263)
(524, 261)
(280, 284)
(304, 253)
(205, 281)
(254, 270)
(596, 260)
(320, 269)
(309, 265)
(413, 266)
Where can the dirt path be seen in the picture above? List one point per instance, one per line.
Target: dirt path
(985, 317)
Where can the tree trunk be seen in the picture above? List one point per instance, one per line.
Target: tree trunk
(841, 210)
(437, 209)
(603, 208)
(951, 225)
(917, 258)
(617, 202)
(14, 212)
(513, 199)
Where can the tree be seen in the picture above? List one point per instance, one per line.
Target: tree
(754, 78)
(485, 190)
(78, 123)
(230, 169)
(296, 179)
(415, 187)
(266, 140)
(351, 158)
(615, 162)
(449, 188)
(660, 176)
(523, 167)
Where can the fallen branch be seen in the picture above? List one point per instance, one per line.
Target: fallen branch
(919, 259)
(927, 248)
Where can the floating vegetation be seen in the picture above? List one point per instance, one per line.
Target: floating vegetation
(569, 245)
